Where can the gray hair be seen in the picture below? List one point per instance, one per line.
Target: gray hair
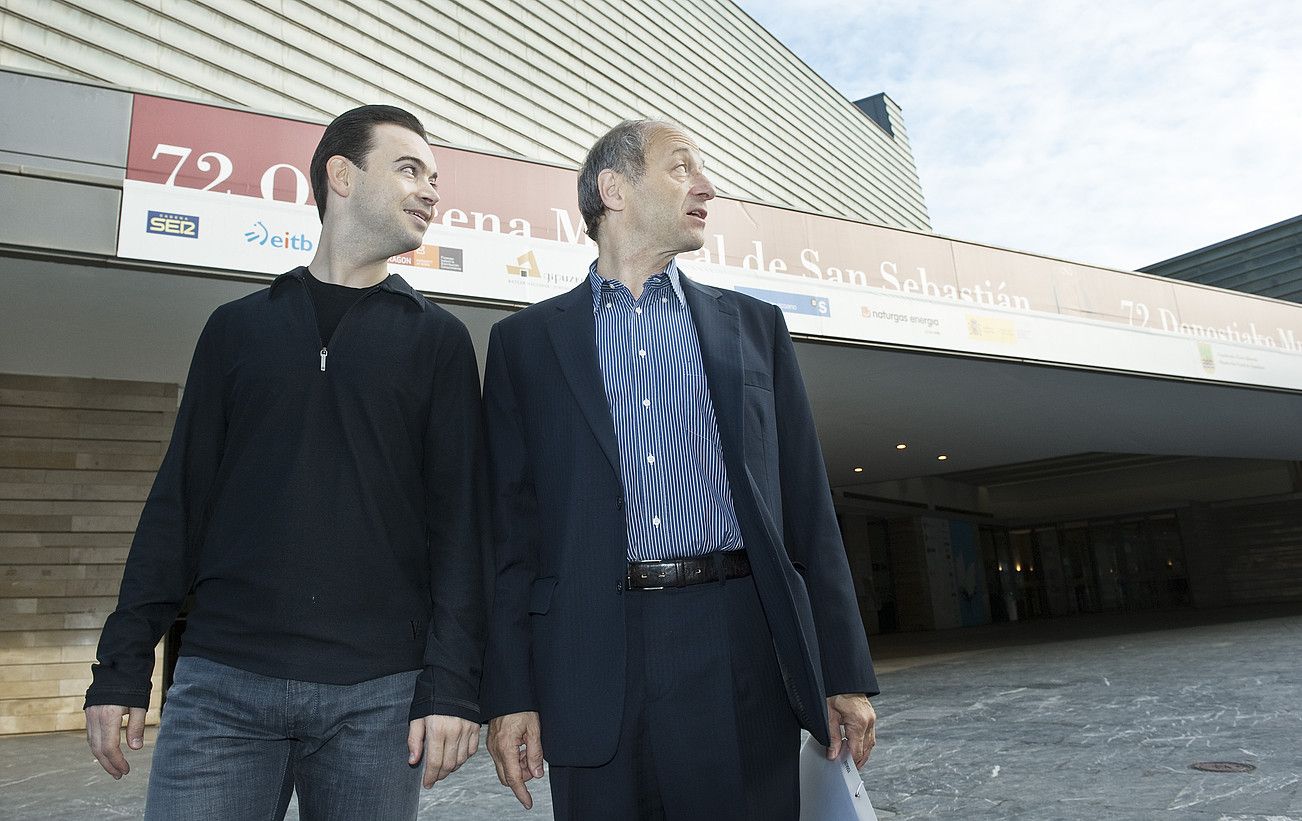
(622, 149)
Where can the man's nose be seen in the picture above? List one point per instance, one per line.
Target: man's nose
(430, 194)
(704, 188)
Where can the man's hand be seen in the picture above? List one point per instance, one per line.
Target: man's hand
(853, 712)
(447, 742)
(104, 734)
(514, 742)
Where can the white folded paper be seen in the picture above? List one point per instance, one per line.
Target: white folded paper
(831, 790)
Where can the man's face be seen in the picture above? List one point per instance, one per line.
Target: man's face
(667, 206)
(395, 196)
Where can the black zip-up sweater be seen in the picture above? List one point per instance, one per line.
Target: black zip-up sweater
(323, 504)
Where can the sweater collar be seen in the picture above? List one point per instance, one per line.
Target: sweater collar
(393, 283)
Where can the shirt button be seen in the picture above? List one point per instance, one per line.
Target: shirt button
(607, 304)
(646, 403)
(664, 299)
(651, 459)
(642, 352)
(637, 310)
(656, 521)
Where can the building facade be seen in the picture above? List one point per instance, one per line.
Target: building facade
(538, 80)
(1111, 440)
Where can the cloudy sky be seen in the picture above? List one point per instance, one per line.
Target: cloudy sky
(1114, 133)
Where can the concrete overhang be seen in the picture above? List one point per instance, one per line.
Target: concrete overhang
(108, 319)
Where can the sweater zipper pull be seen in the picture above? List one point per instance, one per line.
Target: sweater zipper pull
(324, 353)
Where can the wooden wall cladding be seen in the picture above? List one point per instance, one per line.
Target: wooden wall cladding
(77, 458)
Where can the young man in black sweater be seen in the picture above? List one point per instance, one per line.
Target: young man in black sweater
(319, 497)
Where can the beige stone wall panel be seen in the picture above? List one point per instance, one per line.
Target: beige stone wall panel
(77, 458)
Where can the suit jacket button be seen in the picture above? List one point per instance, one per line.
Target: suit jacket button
(619, 587)
(619, 503)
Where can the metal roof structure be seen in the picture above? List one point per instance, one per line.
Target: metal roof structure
(1266, 262)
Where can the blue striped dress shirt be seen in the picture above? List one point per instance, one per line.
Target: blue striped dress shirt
(677, 500)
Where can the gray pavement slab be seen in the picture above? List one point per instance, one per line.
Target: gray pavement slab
(1066, 719)
(53, 777)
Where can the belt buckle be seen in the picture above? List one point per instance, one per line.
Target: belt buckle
(644, 575)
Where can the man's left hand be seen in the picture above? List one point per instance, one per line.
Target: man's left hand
(856, 715)
(447, 741)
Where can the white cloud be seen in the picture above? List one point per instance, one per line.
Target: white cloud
(1115, 133)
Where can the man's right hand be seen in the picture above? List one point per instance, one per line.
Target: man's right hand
(104, 734)
(515, 744)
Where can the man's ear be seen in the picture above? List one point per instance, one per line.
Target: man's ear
(339, 175)
(611, 185)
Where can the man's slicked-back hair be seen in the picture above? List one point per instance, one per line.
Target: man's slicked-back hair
(622, 149)
(351, 135)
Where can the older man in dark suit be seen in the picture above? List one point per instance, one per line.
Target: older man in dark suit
(673, 601)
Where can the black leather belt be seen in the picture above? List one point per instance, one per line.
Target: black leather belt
(726, 564)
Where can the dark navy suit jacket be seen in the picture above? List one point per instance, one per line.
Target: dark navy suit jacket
(557, 636)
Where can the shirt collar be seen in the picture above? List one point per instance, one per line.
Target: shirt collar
(670, 271)
(394, 284)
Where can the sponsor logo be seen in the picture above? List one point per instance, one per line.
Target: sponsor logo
(927, 324)
(451, 259)
(433, 257)
(792, 303)
(526, 267)
(990, 329)
(1207, 357)
(172, 224)
(261, 235)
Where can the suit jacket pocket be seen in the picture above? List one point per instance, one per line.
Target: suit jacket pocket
(758, 379)
(540, 595)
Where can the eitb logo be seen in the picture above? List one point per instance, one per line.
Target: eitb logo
(261, 235)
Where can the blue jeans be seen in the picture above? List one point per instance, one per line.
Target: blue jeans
(235, 745)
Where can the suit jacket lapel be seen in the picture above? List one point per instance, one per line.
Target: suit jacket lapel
(573, 333)
(718, 330)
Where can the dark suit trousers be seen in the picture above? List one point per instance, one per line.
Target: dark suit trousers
(708, 732)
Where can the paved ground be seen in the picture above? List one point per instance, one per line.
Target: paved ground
(1100, 728)
(1083, 718)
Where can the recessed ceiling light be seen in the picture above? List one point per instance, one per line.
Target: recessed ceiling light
(942, 457)
(901, 446)
(858, 470)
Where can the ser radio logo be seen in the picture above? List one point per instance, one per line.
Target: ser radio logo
(172, 224)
